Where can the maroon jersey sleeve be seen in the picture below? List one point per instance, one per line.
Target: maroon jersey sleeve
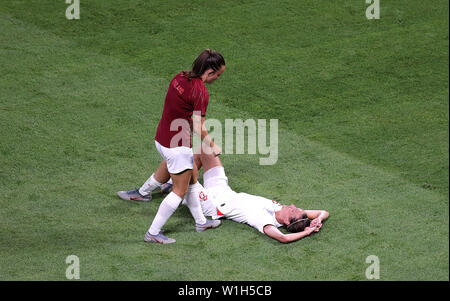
(183, 98)
(200, 97)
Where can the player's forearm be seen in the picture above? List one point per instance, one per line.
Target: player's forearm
(206, 138)
(323, 215)
(287, 238)
(313, 214)
(273, 232)
(199, 129)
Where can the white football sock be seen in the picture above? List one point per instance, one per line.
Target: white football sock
(193, 202)
(149, 185)
(166, 209)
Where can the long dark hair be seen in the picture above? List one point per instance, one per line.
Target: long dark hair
(208, 59)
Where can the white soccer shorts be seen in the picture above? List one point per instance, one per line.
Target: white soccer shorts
(178, 159)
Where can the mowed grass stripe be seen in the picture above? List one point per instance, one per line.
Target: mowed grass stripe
(373, 96)
(326, 53)
(107, 233)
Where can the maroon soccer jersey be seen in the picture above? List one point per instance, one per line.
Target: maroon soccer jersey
(182, 99)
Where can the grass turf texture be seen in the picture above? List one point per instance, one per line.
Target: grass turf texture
(363, 114)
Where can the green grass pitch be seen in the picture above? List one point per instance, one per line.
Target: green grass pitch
(363, 133)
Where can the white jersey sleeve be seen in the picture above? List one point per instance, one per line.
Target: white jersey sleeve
(255, 211)
(259, 220)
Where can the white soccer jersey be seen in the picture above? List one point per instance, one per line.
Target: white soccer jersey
(254, 210)
(220, 200)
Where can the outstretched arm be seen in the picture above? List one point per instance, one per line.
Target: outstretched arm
(319, 214)
(200, 130)
(273, 232)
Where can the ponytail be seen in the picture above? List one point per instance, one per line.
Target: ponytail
(208, 59)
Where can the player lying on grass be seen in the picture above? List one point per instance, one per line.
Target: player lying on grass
(219, 201)
(263, 214)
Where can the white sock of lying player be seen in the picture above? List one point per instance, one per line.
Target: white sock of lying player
(149, 185)
(165, 211)
(192, 201)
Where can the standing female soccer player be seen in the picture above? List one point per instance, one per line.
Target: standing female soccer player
(184, 111)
